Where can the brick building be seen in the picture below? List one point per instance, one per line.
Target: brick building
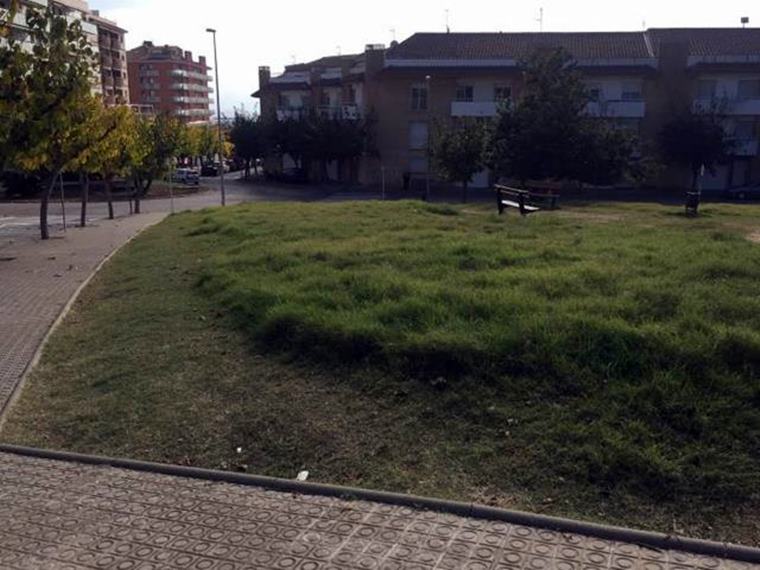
(170, 80)
(636, 79)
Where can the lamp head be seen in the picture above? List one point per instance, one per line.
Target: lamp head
(211, 30)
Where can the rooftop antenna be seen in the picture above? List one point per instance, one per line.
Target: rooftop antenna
(540, 19)
(393, 33)
(448, 28)
(745, 21)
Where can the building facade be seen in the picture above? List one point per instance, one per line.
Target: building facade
(112, 56)
(170, 80)
(106, 38)
(636, 80)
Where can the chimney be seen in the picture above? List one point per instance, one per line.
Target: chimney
(265, 75)
(189, 56)
(202, 60)
(374, 57)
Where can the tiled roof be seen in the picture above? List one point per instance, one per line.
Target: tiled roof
(329, 61)
(581, 45)
(710, 41)
(519, 45)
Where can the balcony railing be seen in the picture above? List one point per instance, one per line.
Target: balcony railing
(474, 108)
(744, 106)
(284, 113)
(617, 109)
(745, 147)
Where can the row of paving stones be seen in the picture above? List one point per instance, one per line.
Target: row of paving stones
(65, 515)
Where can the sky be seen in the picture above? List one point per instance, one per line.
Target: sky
(252, 33)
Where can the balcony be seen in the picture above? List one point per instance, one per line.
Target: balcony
(617, 109)
(296, 113)
(745, 147)
(474, 108)
(728, 106)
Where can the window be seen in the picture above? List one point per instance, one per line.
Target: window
(418, 165)
(418, 135)
(324, 99)
(631, 91)
(352, 94)
(419, 98)
(595, 93)
(749, 89)
(744, 130)
(707, 88)
(465, 93)
(502, 93)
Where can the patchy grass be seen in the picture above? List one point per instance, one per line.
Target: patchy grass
(601, 362)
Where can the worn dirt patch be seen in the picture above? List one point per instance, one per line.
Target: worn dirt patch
(754, 237)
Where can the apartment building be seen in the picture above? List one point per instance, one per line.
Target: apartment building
(112, 57)
(636, 79)
(106, 39)
(169, 79)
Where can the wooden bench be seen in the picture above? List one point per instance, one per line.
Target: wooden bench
(692, 203)
(524, 200)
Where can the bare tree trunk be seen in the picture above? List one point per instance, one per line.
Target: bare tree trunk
(85, 181)
(137, 200)
(109, 196)
(44, 202)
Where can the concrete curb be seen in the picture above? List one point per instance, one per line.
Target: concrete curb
(642, 538)
(18, 388)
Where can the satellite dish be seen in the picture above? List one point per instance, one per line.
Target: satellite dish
(745, 21)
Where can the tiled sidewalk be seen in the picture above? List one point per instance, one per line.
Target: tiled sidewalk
(64, 515)
(37, 279)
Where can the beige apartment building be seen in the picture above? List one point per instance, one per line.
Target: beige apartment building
(636, 79)
(106, 40)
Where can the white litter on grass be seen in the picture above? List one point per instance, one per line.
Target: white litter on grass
(302, 476)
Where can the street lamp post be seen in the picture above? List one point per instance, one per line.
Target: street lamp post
(429, 114)
(219, 118)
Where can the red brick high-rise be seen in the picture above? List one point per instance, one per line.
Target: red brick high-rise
(167, 78)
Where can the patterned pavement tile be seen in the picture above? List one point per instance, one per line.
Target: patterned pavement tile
(63, 515)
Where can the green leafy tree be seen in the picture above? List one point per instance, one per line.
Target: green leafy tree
(45, 100)
(249, 137)
(548, 133)
(159, 141)
(458, 151)
(695, 139)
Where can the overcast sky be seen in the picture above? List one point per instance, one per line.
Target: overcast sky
(275, 32)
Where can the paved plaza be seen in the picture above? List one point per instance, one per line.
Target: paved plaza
(67, 515)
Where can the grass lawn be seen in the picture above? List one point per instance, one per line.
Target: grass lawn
(600, 362)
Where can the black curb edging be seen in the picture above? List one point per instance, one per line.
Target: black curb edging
(654, 540)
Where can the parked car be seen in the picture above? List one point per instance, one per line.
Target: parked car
(186, 176)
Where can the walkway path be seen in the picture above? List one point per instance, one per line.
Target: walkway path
(37, 279)
(66, 515)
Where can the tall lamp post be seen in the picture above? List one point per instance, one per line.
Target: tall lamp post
(428, 79)
(212, 31)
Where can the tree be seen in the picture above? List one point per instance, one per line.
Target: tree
(458, 151)
(106, 128)
(45, 100)
(548, 133)
(695, 139)
(248, 135)
(159, 141)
